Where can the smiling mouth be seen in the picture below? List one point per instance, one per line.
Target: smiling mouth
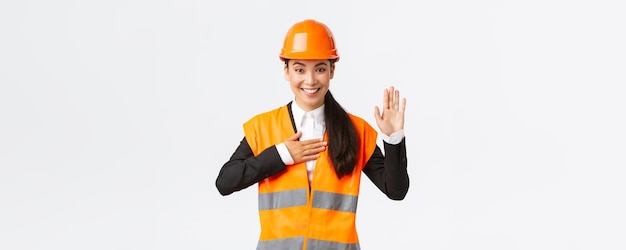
(311, 91)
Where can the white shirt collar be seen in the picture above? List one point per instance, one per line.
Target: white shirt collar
(298, 114)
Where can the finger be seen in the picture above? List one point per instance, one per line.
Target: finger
(295, 136)
(391, 97)
(312, 151)
(377, 115)
(403, 107)
(316, 150)
(396, 99)
(310, 157)
(386, 99)
(311, 141)
(316, 146)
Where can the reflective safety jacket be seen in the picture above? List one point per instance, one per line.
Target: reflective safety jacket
(294, 215)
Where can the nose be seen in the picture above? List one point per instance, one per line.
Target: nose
(309, 79)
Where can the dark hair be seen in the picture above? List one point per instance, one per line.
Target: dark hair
(343, 141)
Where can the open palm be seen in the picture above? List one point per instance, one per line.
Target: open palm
(391, 119)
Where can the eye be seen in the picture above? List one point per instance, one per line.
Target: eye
(320, 69)
(299, 70)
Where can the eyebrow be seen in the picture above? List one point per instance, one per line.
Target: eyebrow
(321, 63)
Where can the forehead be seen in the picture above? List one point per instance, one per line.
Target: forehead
(309, 62)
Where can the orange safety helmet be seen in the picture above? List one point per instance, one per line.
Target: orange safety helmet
(309, 39)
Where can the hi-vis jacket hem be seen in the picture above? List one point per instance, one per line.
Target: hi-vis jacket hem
(298, 243)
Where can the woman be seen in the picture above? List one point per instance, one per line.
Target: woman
(307, 156)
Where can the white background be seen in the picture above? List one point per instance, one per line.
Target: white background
(116, 116)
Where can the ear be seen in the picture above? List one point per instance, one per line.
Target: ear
(332, 71)
(286, 71)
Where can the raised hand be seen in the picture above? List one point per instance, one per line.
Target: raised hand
(392, 117)
(307, 150)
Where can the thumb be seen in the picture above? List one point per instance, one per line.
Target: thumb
(295, 137)
(377, 114)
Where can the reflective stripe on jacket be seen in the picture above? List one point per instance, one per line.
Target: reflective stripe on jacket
(291, 216)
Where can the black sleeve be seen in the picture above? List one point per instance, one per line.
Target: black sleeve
(388, 172)
(244, 169)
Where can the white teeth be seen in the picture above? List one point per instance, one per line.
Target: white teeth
(310, 91)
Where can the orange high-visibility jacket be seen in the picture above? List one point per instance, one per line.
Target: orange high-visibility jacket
(292, 215)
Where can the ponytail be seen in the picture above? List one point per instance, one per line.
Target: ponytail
(343, 141)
